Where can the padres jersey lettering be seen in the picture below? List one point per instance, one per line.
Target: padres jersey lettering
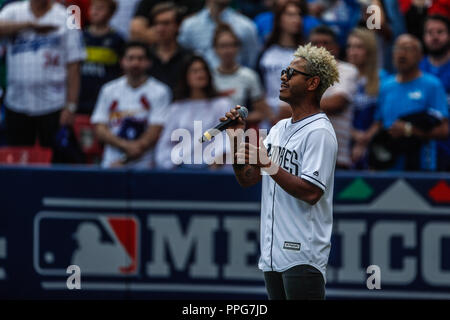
(294, 232)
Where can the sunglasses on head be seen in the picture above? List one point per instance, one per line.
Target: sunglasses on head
(289, 72)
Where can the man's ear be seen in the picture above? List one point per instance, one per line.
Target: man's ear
(313, 83)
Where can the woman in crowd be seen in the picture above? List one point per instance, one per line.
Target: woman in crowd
(241, 84)
(196, 108)
(362, 53)
(278, 52)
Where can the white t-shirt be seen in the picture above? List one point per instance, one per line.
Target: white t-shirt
(37, 64)
(294, 232)
(272, 62)
(182, 115)
(342, 122)
(119, 103)
(240, 86)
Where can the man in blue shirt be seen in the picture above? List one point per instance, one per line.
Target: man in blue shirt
(412, 105)
(197, 31)
(437, 62)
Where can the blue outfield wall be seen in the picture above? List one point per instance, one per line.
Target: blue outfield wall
(165, 235)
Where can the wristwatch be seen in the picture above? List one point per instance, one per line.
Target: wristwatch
(71, 106)
(408, 129)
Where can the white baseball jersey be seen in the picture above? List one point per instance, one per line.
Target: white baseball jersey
(118, 103)
(294, 232)
(37, 64)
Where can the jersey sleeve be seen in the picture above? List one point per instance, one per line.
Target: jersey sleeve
(8, 13)
(319, 158)
(159, 112)
(101, 114)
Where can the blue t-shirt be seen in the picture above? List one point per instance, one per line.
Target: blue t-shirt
(424, 94)
(442, 72)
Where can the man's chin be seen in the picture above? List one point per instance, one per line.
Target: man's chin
(282, 98)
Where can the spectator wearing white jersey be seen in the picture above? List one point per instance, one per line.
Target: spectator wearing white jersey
(337, 101)
(279, 48)
(197, 105)
(241, 84)
(43, 62)
(130, 112)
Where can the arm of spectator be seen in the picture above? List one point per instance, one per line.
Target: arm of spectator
(439, 132)
(140, 30)
(9, 28)
(372, 131)
(399, 129)
(150, 137)
(12, 28)
(73, 89)
(131, 149)
(106, 136)
(334, 104)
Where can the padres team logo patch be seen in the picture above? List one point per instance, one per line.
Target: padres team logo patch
(291, 246)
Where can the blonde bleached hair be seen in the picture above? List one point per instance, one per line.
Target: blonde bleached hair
(321, 63)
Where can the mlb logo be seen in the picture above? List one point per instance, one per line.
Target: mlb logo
(100, 244)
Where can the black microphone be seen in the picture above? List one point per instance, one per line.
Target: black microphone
(209, 134)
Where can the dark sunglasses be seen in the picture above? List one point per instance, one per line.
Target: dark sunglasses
(289, 72)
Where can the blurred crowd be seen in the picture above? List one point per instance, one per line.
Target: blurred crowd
(109, 81)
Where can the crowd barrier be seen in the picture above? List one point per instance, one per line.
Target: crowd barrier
(130, 234)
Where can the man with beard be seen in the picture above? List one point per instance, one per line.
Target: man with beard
(437, 62)
(130, 112)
